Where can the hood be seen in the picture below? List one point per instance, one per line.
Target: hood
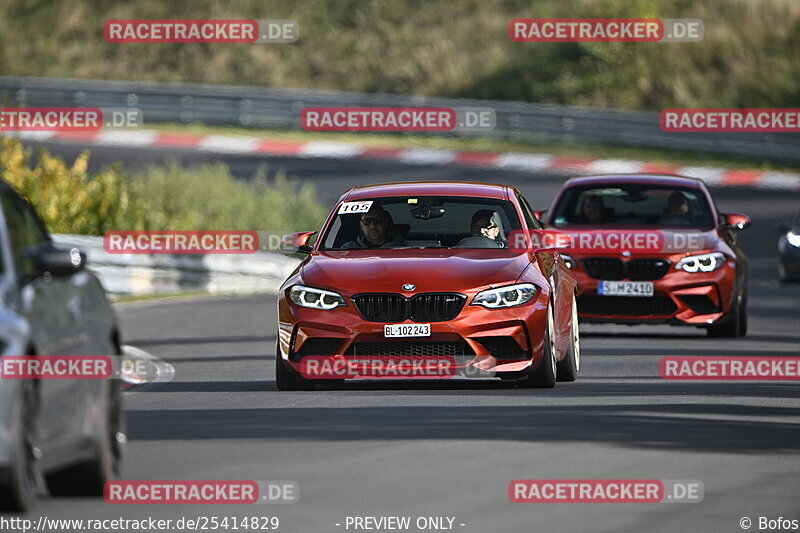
(356, 271)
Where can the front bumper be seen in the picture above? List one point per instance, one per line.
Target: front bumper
(681, 298)
(487, 340)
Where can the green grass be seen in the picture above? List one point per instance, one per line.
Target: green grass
(750, 55)
(170, 197)
(669, 157)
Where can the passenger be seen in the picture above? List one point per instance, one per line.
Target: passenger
(677, 210)
(485, 231)
(376, 231)
(485, 223)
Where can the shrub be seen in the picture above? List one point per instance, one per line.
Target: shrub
(201, 197)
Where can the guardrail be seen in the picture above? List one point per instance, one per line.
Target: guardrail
(162, 273)
(280, 109)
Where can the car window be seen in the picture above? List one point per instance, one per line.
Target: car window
(527, 212)
(25, 231)
(633, 205)
(424, 222)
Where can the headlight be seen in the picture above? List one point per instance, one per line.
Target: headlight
(508, 296)
(315, 298)
(793, 238)
(701, 263)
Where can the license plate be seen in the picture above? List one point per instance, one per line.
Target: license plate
(625, 288)
(407, 330)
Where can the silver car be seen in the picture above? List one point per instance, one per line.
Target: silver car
(70, 432)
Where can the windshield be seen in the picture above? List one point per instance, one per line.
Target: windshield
(633, 205)
(421, 222)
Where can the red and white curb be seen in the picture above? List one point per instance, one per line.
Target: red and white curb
(222, 144)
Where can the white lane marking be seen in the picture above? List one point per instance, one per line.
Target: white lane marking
(614, 166)
(427, 156)
(126, 138)
(779, 180)
(334, 150)
(533, 162)
(227, 144)
(31, 135)
(710, 175)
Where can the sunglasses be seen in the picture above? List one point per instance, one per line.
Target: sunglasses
(370, 221)
(486, 226)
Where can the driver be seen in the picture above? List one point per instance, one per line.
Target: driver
(593, 210)
(376, 231)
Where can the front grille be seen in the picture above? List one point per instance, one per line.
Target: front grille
(503, 348)
(647, 269)
(700, 303)
(626, 306)
(409, 348)
(426, 307)
(604, 268)
(609, 268)
(382, 307)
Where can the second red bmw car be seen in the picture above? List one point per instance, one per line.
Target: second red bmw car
(426, 271)
(650, 248)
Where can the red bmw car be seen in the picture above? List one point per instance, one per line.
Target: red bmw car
(652, 248)
(426, 271)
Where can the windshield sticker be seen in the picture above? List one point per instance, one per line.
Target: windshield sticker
(348, 208)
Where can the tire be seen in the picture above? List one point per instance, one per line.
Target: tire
(782, 276)
(285, 379)
(18, 483)
(89, 477)
(567, 370)
(743, 317)
(544, 377)
(729, 326)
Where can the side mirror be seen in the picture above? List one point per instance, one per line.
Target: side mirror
(736, 221)
(539, 213)
(297, 242)
(58, 261)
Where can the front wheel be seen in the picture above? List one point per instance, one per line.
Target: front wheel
(567, 370)
(544, 377)
(89, 477)
(19, 479)
(731, 325)
(285, 379)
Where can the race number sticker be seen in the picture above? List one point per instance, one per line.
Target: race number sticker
(348, 208)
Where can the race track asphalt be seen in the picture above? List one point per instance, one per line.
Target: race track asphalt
(451, 449)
